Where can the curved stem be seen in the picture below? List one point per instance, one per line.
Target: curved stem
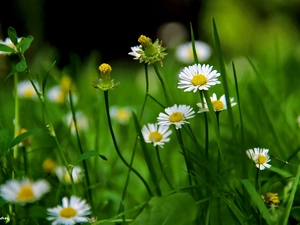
(162, 84)
(162, 169)
(116, 145)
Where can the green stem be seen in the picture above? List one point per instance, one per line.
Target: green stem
(162, 84)
(116, 145)
(17, 115)
(88, 183)
(147, 90)
(206, 127)
(162, 169)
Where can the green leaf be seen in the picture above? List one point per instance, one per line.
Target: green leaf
(5, 48)
(291, 198)
(5, 138)
(175, 209)
(21, 66)
(24, 44)
(258, 201)
(88, 154)
(12, 34)
(46, 77)
(23, 136)
(10, 74)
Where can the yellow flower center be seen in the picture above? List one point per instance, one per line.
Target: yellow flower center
(176, 117)
(67, 177)
(199, 79)
(105, 70)
(123, 115)
(155, 136)
(65, 83)
(145, 41)
(67, 212)
(218, 105)
(29, 93)
(261, 159)
(48, 165)
(25, 193)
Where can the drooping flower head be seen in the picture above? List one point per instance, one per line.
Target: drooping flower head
(23, 191)
(184, 52)
(70, 212)
(177, 115)
(9, 43)
(105, 83)
(64, 176)
(198, 77)
(218, 104)
(147, 51)
(260, 157)
(158, 135)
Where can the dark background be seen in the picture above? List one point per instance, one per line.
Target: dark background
(111, 27)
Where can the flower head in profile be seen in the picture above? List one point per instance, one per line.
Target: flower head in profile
(105, 83)
(184, 52)
(9, 43)
(23, 191)
(260, 157)
(271, 199)
(158, 135)
(147, 51)
(177, 115)
(218, 104)
(198, 77)
(120, 114)
(64, 176)
(72, 211)
(26, 90)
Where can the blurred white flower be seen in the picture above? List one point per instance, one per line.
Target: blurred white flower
(64, 176)
(120, 114)
(26, 90)
(81, 119)
(23, 191)
(184, 52)
(218, 104)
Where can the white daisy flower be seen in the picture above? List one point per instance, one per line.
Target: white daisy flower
(184, 52)
(70, 212)
(198, 77)
(135, 51)
(56, 94)
(23, 191)
(64, 176)
(26, 90)
(121, 114)
(260, 157)
(176, 115)
(218, 104)
(81, 120)
(158, 135)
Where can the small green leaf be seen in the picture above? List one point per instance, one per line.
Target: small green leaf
(12, 34)
(21, 66)
(24, 44)
(5, 48)
(10, 74)
(175, 209)
(88, 154)
(23, 136)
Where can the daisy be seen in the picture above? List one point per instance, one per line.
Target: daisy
(121, 114)
(184, 52)
(64, 176)
(218, 104)
(155, 134)
(23, 191)
(176, 115)
(135, 52)
(56, 94)
(26, 90)
(198, 77)
(70, 212)
(260, 157)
